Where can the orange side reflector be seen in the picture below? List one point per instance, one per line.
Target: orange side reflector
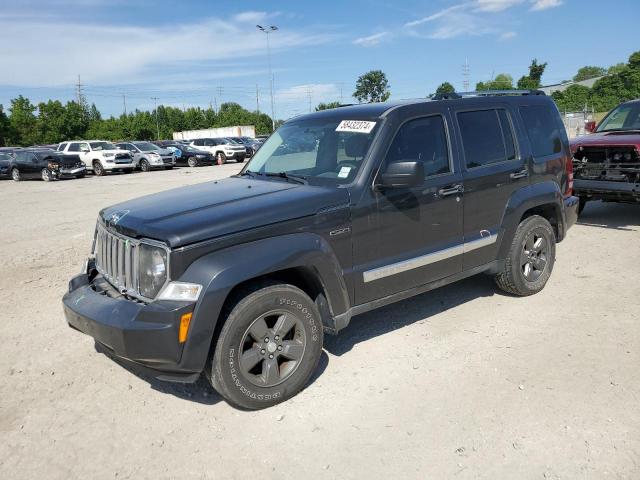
(185, 320)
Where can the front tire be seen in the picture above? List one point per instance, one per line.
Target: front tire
(531, 256)
(192, 162)
(98, 169)
(144, 165)
(269, 346)
(221, 158)
(15, 175)
(46, 175)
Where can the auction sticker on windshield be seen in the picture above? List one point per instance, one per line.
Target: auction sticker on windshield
(355, 126)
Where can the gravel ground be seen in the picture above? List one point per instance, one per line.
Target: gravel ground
(461, 382)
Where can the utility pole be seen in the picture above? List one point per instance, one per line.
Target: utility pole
(79, 91)
(268, 30)
(309, 97)
(465, 75)
(124, 103)
(257, 99)
(155, 99)
(341, 84)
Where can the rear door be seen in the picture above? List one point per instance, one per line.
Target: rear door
(493, 170)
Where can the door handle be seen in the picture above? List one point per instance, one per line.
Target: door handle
(452, 190)
(521, 174)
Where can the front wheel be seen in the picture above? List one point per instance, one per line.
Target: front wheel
(46, 175)
(192, 162)
(221, 158)
(268, 348)
(15, 175)
(531, 256)
(144, 165)
(98, 169)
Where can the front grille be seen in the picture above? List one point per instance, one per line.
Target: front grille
(122, 155)
(117, 260)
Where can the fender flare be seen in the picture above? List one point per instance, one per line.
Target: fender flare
(526, 198)
(220, 271)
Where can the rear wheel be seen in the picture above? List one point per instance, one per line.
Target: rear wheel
(268, 348)
(192, 162)
(46, 175)
(15, 175)
(98, 169)
(530, 261)
(221, 158)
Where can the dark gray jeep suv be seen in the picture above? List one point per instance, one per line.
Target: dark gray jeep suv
(240, 278)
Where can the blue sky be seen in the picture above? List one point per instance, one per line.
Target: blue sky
(192, 53)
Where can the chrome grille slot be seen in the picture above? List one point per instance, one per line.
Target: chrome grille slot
(117, 260)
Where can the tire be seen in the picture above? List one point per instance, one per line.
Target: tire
(531, 257)
(144, 165)
(582, 203)
(46, 175)
(221, 158)
(98, 169)
(15, 175)
(192, 162)
(267, 373)
(241, 160)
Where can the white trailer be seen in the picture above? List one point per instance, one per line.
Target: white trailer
(237, 131)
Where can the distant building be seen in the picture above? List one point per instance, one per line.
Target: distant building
(236, 131)
(561, 87)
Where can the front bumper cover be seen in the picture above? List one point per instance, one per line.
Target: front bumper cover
(139, 333)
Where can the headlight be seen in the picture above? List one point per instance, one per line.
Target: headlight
(109, 155)
(52, 166)
(153, 269)
(180, 291)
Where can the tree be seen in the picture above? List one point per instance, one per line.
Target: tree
(617, 68)
(634, 60)
(573, 99)
(585, 73)
(327, 106)
(533, 80)
(503, 81)
(5, 128)
(23, 121)
(372, 87)
(445, 87)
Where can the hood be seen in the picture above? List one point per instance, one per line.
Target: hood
(607, 138)
(204, 211)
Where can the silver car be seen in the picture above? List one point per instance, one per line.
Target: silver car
(147, 156)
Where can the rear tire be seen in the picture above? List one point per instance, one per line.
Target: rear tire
(98, 169)
(531, 256)
(581, 204)
(15, 175)
(192, 162)
(268, 348)
(46, 175)
(221, 158)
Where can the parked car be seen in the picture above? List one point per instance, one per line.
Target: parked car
(45, 164)
(239, 278)
(188, 155)
(99, 156)
(250, 144)
(606, 163)
(222, 148)
(147, 156)
(6, 160)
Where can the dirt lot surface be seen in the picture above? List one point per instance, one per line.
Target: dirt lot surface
(462, 382)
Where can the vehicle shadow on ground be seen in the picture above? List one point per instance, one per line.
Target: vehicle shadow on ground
(617, 216)
(400, 314)
(200, 391)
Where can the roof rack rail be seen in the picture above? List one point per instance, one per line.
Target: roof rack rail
(485, 93)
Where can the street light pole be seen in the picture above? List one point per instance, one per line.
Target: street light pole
(155, 99)
(268, 30)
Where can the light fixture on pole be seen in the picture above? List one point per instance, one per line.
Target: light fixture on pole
(155, 99)
(268, 30)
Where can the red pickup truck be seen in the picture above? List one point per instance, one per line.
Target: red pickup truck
(606, 163)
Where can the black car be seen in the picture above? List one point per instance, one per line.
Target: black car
(45, 164)
(251, 144)
(240, 278)
(6, 160)
(188, 155)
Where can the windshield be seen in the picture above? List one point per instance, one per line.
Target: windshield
(147, 147)
(624, 117)
(321, 150)
(4, 156)
(102, 146)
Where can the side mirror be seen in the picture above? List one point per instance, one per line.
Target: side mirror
(402, 175)
(590, 126)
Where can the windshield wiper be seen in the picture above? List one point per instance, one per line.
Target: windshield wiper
(248, 173)
(287, 176)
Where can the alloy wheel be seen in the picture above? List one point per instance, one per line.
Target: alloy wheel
(272, 348)
(533, 260)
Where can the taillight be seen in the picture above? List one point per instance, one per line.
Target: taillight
(569, 170)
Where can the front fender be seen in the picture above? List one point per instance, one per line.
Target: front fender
(219, 272)
(526, 198)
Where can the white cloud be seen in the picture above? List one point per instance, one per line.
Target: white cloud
(371, 40)
(442, 13)
(495, 5)
(545, 4)
(121, 54)
(507, 35)
(251, 17)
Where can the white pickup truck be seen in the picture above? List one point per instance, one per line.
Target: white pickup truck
(99, 156)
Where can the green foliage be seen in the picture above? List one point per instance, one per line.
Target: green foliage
(327, 106)
(634, 60)
(445, 87)
(617, 68)
(503, 81)
(585, 73)
(55, 122)
(573, 99)
(534, 79)
(372, 87)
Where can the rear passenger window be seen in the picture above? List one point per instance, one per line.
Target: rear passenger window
(487, 137)
(74, 147)
(543, 129)
(423, 140)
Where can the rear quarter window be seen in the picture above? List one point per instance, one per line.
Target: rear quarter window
(543, 129)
